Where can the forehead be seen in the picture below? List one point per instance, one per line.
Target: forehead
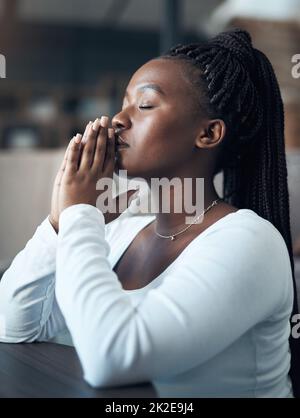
(167, 74)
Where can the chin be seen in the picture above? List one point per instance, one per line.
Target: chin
(131, 172)
(119, 166)
(134, 169)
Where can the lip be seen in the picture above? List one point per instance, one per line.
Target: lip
(120, 148)
(120, 142)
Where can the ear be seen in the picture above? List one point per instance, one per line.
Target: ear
(211, 134)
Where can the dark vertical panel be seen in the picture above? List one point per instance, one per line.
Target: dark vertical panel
(171, 22)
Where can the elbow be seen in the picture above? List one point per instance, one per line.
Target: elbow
(94, 380)
(103, 372)
(114, 362)
(98, 371)
(99, 379)
(96, 368)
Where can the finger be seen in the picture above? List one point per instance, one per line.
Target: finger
(109, 162)
(64, 161)
(89, 146)
(73, 155)
(132, 195)
(63, 164)
(83, 141)
(101, 146)
(121, 203)
(86, 132)
(124, 200)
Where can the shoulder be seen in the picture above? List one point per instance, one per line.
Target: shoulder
(247, 249)
(245, 227)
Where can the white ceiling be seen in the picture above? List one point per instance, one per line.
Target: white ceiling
(128, 13)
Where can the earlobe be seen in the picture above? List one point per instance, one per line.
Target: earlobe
(212, 135)
(206, 140)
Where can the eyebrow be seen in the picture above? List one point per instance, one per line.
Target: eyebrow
(152, 86)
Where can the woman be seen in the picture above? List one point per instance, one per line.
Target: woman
(205, 313)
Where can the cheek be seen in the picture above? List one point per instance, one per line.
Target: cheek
(171, 141)
(159, 134)
(166, 150)
(157, 145)
(160, 145)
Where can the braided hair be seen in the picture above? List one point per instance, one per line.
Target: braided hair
(237, 84)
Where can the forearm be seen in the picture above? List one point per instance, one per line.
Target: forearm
(53, 223)
(27, 288)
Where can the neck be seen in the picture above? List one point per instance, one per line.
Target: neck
(169, 219)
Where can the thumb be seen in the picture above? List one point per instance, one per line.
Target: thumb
(124, 200)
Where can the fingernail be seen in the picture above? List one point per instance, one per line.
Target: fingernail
(96, 125)
(111, 133)
(88, 126)
(78, 138)
(104, 121)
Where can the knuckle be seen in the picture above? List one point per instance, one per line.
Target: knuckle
(101, 145)
(68, 181)
(89, 151)
(81, 177)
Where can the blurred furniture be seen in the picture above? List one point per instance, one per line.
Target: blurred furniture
(40, 115)
(53, 371)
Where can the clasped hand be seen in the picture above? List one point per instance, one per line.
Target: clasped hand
(87, 159)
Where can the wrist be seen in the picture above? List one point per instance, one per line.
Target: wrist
(53, 223)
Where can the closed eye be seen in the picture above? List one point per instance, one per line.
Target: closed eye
(145, 107)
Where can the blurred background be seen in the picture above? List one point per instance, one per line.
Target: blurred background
(69, 61)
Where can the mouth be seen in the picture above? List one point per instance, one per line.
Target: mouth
(120, 143)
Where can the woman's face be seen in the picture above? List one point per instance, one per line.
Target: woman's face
(157, 121)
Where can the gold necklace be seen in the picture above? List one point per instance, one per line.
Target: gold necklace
(172, 237)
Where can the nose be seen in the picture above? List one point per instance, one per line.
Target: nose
(120, 122)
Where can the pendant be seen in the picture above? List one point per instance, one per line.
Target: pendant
(172, 238)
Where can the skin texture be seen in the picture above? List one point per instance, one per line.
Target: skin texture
(168, 137)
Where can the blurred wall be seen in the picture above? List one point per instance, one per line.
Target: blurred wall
(26, 180)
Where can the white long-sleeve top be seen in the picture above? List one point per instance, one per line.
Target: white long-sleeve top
(214, 323)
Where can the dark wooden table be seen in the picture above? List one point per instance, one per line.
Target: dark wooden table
(53, 370)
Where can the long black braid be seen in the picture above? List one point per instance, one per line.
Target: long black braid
(238, 84)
